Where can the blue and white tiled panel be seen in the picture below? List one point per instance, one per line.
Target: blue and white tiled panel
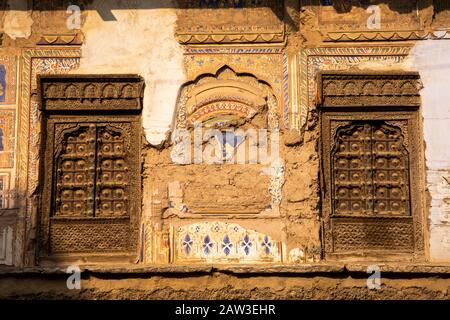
(213, 242)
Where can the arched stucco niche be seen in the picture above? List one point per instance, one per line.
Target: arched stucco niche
(226, 98)
(232, 119)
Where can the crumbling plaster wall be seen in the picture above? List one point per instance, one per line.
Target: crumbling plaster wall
(300, 204)
(244, 189)
(226, 285)
(141, 40)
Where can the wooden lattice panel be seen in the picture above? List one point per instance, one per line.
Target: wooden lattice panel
(75, 176)
(370, 171)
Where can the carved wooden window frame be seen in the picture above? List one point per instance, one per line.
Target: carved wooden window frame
(375, 99)
(110, 104)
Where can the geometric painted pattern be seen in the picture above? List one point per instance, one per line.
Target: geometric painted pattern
(7, 132)
(224, 242)
(8, 79)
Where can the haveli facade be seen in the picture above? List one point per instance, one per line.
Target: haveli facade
(122, 124)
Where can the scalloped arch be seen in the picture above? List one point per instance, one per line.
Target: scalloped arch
(224, 93)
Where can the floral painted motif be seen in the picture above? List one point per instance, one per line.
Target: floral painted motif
(220, 242)
(246, 244)
(267, 244)
(187, 244)
(53, 66)
(207, 245)
(227, 245)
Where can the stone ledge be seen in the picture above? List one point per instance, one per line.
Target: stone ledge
(337, 268)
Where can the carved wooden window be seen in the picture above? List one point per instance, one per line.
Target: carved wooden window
(90, 172)
(371, 164)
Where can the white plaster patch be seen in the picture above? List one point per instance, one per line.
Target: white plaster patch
(18, 21)
(440, 243)
(296, 255)
(140, 41)
(431, 59)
